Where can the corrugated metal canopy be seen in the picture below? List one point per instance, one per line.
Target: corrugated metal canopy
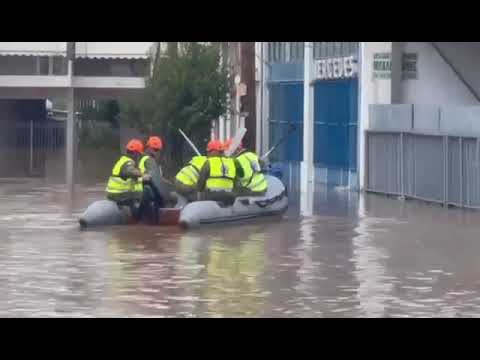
(33, 48)
(113, 50)
(93, 50)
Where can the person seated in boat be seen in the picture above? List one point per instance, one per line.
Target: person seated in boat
(250, 180)
(153, 193)
(122, 186)
(217, 176)
(186, 180)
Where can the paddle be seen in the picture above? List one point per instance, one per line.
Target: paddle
(236, 141)
(190, 142)
(292, 129)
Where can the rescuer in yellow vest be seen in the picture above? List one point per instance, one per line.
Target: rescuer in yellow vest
(126, 179)
(250, 180)
(186, 180)
(217, 175)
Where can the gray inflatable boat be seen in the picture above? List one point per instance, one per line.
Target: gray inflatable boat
(274, 202)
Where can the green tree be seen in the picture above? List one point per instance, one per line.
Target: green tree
(187, 91)
(106, 111)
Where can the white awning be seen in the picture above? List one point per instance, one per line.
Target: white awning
(33, 48)
(92, 50)
(113, 50)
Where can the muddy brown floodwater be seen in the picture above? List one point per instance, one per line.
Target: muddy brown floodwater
(359, 256)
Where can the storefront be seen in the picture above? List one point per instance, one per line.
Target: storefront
(335, 109)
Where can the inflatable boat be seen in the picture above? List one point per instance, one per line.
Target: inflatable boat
(274, 202)
(188, 215)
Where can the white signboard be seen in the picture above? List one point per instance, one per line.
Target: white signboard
(409, 66)
(335, 68)
(382, 66)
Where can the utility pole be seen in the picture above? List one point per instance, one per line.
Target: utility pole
(173, 49)
(248, 101)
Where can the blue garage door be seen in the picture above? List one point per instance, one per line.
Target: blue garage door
(335, 109)
(286, 112)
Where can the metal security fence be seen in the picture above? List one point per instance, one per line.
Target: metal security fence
(432, 155)
(34, 141)
(286, 52)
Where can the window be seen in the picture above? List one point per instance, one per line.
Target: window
(323, 50)
(60, 65)
(42, 65)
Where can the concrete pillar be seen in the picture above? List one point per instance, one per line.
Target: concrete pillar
(371, 91)
(396, 80)
(70, 128)
(70, 143)
(50, 65)
(307, 167)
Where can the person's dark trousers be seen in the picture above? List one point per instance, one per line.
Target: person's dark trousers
(150, 204)
(133, 205)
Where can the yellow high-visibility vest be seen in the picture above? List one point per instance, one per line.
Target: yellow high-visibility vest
(141, 167)
(117, 185)
(189, 174)
(252, 178)
(222, 174)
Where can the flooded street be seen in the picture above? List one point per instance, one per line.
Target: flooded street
(359, 256)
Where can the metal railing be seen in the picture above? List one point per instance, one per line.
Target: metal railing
(432, 155)
(35, 140)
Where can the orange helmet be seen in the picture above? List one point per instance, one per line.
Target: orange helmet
(215, 145)
(135, 145)
(155, 143)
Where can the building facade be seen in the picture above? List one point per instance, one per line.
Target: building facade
(74, 73)
(344, 80)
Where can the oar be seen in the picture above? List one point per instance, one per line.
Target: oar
(190, 142)
(187, 139)
(293, 128)
(236, 141)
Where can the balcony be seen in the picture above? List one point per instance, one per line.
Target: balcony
(37, 69)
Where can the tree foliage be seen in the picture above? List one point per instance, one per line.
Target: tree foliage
(106, 111)
(187, 91)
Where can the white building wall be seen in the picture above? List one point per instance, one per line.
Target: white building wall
(371, 91)
(437, 83)
(465, 56)
(33, 48)
(131, 50)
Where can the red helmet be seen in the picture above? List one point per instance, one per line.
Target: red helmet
(155, 143)
(135, 145)
(215, 145)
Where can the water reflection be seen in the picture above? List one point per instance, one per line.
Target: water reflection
(373, 285)
(233, 276)
(367, 256)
